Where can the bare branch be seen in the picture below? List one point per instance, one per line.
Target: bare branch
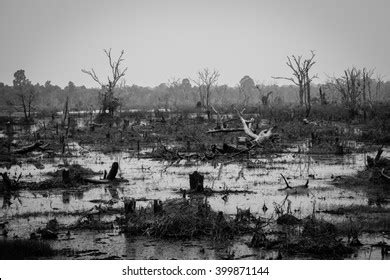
(93, 76)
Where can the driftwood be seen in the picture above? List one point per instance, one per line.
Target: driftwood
(263, 135)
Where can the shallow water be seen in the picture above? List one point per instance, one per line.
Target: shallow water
(150, 179)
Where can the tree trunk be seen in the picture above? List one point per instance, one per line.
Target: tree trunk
(157, 206)
(7, 181)
(65, 176)
(196, 182)
(308, 101)
(113, 171)
(300, 94)
(130, 205)
(24, 109)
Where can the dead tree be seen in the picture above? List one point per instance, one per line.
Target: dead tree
(65, 112)
(300, 68)
(378, 86)
(263, 97)
(220, 122)
(367, 74)
(322, 94)
(206, 80)
(108, 101)
(113, 171)
(353, 87)
(257, 139)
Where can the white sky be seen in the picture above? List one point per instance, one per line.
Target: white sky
(54, 39)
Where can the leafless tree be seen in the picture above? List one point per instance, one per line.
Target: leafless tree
(378, 86)
(108, 101)
(353, 87)
(322, 93)
(367, 100)
(205, 81)
(264, 97)
(301, 77)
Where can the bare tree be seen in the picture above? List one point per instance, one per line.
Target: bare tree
(353, 87)
(108, 101)
(367, 100)
(264, 97)
(205, 81)
(378, 86)
(322, 93)
(300, 68)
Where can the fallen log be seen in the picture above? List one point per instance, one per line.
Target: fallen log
(259, 138)
(29, 148)
(99, 181)
(225, 130)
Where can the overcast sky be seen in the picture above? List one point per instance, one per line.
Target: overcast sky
(53, 40)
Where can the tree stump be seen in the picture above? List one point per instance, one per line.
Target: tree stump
(65, 176)
(113, 171)
(130, 205)
(7, 181)
(157, 206)
(196, 182)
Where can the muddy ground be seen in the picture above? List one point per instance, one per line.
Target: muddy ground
(342, 214)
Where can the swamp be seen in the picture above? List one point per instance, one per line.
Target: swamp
(169, 185)
(195, 130)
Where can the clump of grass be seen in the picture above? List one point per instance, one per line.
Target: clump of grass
(76, 175)
(24, 249)
(182, 219)
(74, 170)
(318, 239)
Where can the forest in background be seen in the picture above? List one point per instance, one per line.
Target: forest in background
(174, 95)
(357, 90)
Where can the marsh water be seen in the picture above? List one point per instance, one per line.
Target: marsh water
(149, 179)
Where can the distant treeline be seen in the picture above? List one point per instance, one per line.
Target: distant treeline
(181, 94)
